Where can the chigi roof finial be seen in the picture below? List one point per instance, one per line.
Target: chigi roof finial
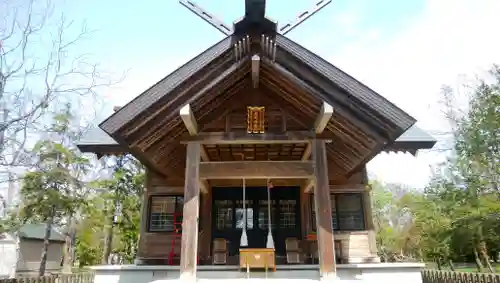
(254, 20)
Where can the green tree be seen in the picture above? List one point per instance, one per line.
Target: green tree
(52, 190)
(457, 216)
(466, 189)
(393, 222)
(477, 161)
(90, 232)
(114, 211)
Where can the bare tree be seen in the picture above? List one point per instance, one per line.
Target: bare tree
(40, 70)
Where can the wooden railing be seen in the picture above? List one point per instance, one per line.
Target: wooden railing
(58, 278)
(440, 276)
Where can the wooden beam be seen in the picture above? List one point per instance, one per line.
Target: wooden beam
(204, 154)
(255, 70)
(245, 138)
(351, 188)
(307, 152)
(192, 127)
(227, 127)
(283, 121)
(256, 170)
(188, 119)
(324, 116)
(205, 69)
(344, 106)
(204, 186)
(326, 248)
(308, 186)
(236, 183)
(143, 131)
(189, 240)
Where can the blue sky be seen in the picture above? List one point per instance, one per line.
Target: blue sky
(157, 37)
(405, 50)
(130, 35)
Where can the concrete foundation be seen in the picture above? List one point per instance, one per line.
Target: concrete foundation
(364, 272)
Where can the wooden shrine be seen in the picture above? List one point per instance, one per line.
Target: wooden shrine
(256, 108)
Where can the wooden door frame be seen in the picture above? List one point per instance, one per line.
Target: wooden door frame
(236, 193)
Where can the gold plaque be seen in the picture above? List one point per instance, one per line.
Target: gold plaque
(255, 119)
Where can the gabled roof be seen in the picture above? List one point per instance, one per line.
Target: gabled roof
(363, 123)
(343, 81)
(149, 98)
(412, 140)
(98, 141)
(37, 232)
(322, 75)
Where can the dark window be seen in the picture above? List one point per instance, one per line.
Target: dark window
(224, 214)
(263, 214)
(287, 213)
(165, 213)
(350, 212)
(347, 212)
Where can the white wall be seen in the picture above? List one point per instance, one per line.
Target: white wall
(31, 253)
(7, 256)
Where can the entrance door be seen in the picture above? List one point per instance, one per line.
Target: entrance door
(229, 217)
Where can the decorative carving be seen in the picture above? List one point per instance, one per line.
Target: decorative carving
(255, 119)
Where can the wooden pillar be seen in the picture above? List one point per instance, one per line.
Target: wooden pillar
(323, 209)
(369, 225)
(206, 225)
(189, 248)
(303, 209)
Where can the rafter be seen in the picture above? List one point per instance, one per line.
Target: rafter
(228, 108)
(204, 113)
(292, 112)
(347, 111)
(287, 91)
(204, 82)
(155, 133)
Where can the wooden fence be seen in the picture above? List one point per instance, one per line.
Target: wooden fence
(58, 278)
(441, 276)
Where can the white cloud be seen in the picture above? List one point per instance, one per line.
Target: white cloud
(450, 38)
